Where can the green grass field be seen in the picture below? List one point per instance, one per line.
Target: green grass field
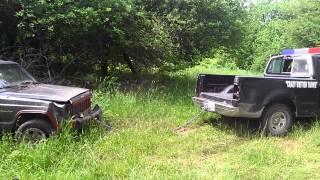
(143, 144)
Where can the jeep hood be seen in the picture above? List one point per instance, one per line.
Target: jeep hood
(46, 92)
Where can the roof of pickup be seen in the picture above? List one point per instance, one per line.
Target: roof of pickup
(7, 62)
(314, 50)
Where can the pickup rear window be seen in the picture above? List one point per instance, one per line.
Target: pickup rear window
(297, 67)
(280, 66)
(300, 66)
(275, 66)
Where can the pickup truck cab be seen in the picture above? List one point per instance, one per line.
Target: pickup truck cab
(289, 89)
(33, 110)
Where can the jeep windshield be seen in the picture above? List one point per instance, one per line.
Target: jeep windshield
(12, 75)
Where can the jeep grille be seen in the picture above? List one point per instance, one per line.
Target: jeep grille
(80, 105)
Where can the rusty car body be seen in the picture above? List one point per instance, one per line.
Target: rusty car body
(33, 110)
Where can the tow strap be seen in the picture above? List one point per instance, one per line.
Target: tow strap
(104, 124)
(192, 119)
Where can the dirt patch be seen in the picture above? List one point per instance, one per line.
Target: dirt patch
(290, 146)
(183, 161)
(210, 151)
(219, 146)
(185, 131)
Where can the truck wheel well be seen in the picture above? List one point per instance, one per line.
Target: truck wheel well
(284, 101)
(26, 117)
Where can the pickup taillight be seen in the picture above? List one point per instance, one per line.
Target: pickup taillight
(199, 84)
(236, 92)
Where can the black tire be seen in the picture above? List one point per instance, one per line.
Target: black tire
(33, 131)
(277, 120)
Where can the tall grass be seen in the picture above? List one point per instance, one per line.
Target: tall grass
(144, 112)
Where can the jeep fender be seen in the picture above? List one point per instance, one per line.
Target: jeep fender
(48, 114)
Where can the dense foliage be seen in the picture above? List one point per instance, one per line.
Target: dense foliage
(100, 36)
(104, 36)
(271, 26)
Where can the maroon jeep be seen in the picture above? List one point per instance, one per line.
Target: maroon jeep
(33, 110)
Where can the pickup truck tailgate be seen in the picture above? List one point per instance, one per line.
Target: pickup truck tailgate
(218, 97)
(216, 93)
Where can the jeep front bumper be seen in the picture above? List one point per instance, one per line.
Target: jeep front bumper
(78, 121)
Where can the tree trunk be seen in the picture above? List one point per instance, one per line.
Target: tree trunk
(104, 67)
(128, 61)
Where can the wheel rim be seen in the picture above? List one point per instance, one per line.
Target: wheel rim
(33, 135)
(278, 121)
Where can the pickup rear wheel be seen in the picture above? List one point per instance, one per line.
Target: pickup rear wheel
(33, 131)
(277, 120)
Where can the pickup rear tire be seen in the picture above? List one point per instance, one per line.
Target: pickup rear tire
(277, 120)
(33, 131)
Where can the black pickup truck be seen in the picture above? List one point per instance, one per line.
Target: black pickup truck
(33, 110)
(289, 89)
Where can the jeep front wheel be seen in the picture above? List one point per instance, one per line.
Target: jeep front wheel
(33, 131)
(277, 120)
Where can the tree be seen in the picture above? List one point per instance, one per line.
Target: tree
(8, 24)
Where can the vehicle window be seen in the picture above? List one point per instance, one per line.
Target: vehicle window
(275, 66)
(300, 67)
(287, 66)
(316, 63)
(13, 74)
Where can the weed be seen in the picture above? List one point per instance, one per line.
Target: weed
(145, 109)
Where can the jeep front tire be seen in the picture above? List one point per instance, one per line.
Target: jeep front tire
(33, 131)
